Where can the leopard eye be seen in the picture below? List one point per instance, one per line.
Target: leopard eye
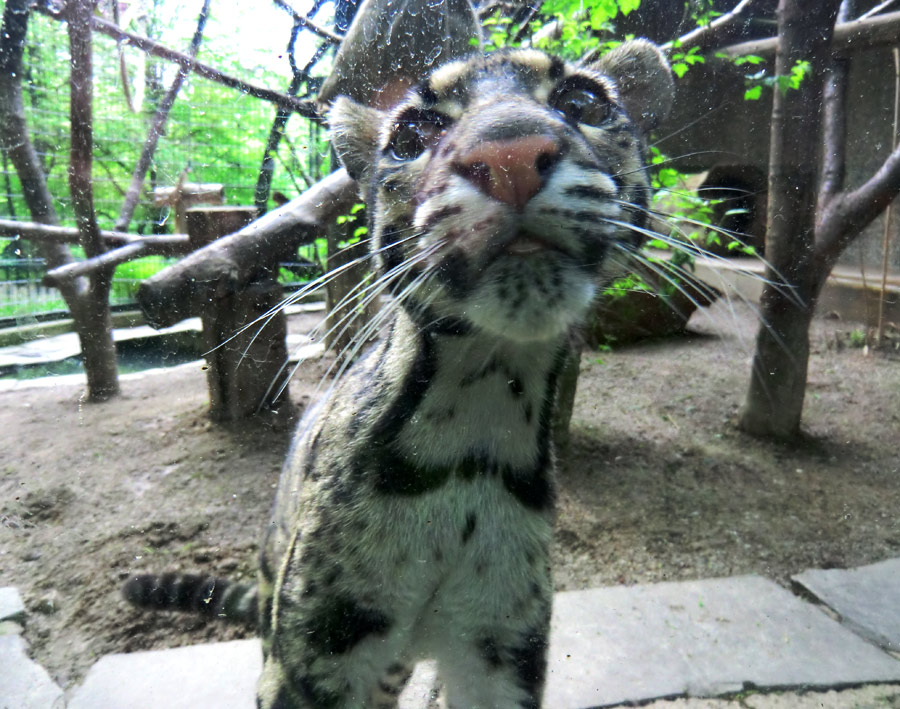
(412, 137)
(583, 104)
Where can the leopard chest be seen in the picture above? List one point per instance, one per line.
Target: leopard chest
(435, 455)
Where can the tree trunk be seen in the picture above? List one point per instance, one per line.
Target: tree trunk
(157, 126)
(774, 400)
(14, 131)
(91, 314)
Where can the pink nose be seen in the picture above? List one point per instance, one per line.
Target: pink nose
(511, 171)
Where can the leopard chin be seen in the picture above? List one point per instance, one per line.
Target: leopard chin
(529, 298)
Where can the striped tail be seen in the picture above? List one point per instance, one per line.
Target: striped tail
(207, 596)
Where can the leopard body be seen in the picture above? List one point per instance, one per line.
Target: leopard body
(413, 515)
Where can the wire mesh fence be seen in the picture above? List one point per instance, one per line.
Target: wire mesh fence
(214, 136)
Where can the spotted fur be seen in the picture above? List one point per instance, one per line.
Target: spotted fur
(413, 515)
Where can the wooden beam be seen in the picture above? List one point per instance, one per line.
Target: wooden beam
(872, 32)
(108, 259)
(229, 264)
(45, 233)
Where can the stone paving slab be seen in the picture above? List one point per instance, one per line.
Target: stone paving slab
(210, 675)
(608, 646)
(881, 696)
(11, 605)
(867, 598)
(23, 683)
(699, 638)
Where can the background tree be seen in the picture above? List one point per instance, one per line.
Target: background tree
(811, 218)
(86, 297)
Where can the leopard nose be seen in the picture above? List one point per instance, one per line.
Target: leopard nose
(512, 170)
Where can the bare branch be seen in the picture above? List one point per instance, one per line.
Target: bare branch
(304, 108)
(105, 261)
(843, 215)
(834, 122)
(524, 26)
(46, 233)
(282, 115)
(880, 31)
(308, 23)
(715, 32)
(848, 213)
(133, 195)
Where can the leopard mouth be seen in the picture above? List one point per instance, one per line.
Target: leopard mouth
(527, 244)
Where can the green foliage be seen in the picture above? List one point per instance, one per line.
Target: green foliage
(582, 25)
(704, 12)
(498, 33)
(626, 284)
(856, 338)
(682, 61)
(128, 276)
(214, 133)
(757, 81)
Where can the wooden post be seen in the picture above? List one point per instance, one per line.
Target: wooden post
(347, 315)
(245, 366)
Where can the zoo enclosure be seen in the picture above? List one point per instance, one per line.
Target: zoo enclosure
(214, 136)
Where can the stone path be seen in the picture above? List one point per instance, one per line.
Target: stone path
(745, 638)
(24, 684)
(867, 598)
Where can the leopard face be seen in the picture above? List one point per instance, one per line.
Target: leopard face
(501, 188)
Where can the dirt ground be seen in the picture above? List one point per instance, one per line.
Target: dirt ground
(657, 483)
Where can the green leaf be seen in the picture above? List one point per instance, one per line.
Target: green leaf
(750, 59)
(753, 93)
(679, 69)
(668, 177)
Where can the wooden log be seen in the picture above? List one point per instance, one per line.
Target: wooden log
(185, 195)
(190, 194)
(45, 233)
(108, 259)
(245, 367)
(246, 348)
(232, 262)
(206, 224)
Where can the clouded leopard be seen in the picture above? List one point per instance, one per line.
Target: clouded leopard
(413, 515)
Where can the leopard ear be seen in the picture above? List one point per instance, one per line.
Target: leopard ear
(643, 79)
(354, 135)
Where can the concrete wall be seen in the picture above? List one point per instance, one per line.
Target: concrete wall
(711, 124)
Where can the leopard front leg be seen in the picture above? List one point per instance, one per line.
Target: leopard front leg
(489, 625)
(331, 640)
(346, 657)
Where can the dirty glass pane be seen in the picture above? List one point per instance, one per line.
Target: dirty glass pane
(427, 353)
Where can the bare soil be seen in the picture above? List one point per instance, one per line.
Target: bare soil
(657, 484)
